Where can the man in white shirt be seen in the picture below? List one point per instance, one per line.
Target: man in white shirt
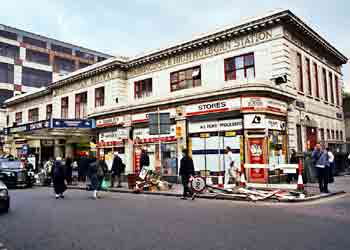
(230, 170)
(331, 165)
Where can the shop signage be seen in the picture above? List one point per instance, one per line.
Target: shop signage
(142, 135)
(144, 117)
(110, 121)
(213, 107)
(254, 104)
(39, 125)
(65, 123)
(275, 124)
(213, 126)
(256, 156)
(254, 121)
(116, 135)
(204, 52)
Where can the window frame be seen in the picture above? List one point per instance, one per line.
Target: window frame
(316, 80)
(64, 107)
(48, 111)
(233, 71)
(79, 113)
(308, 74)
(19, 117)
(139, 92)
(172, 83)
(325, 85)
(336, 79)
(99, 100)
(31, 116)
(330, 78)
(300, 68)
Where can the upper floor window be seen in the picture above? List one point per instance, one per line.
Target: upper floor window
(143, 88)
(325, 87)
(85, 55)
(101, 58)
(7, 120)
(83, 65)
(322, 134)
(37, 57)
(64, 107)
(185, 79)
(63, 65)
(61, 49)
(337, 89)
(34, 42)
(8, 50)
(300, 72)
(328, 134)
(81, 105)
(316, 80)
(6, 73)
(333, 137)
(330, 77)
(35, 77)
(308, 74)
(337, 135)
(33, 115)
(48, 111)
(100, 97)
(341, 135)
(18, 118)
(240, 67)
(8, 35)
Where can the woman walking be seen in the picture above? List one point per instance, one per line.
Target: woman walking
(92, 171)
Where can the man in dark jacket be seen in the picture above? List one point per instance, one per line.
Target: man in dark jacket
(69, 170)
(59, 178)
(186, 172)
(118, 168)
(144, 159)
(83, 165)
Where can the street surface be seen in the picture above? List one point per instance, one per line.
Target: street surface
(129, 221)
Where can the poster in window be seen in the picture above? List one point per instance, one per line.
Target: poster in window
(256, 156)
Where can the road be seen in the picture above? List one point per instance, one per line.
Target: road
(128, 221)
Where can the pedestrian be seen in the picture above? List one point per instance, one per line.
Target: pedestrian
(59, 178)
(320, 161)
(231, 169)
(331, 165)
(186, 173)
(144, 159)
(293, 160)
(83, 165)
(102, 170)
(118, 167)
(94, 182)
(69, 170)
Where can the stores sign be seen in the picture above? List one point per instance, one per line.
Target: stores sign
(213, 126)
(213, 107)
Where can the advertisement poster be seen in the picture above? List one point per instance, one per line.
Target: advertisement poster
(137, 163)
(256, 156)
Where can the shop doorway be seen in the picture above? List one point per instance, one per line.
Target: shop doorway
(311, 137)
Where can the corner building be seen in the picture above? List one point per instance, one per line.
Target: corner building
(262, 87)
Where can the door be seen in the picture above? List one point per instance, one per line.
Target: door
(256, 152)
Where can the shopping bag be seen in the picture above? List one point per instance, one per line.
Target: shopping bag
(104, 184)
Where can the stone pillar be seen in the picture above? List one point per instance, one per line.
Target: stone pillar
(292, 121)
(69, 150)
(181, 133)
(58, 149)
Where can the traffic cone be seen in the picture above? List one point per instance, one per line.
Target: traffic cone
(209, 181)
(242, 182)
(300, 185)
(220, 181)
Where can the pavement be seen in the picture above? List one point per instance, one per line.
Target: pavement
(340, 185)
(126, 221)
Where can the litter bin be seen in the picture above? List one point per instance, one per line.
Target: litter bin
(132, 181)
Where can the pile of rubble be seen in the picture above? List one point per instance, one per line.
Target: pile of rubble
(251, 194)
(149, 180)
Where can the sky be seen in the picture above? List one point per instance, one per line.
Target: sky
(128, 28)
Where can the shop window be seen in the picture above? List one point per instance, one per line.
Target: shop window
(143, 88)
(37, 57)
(328, 134)
(186, 79)
(81, 105)
(100, 97)
(330, 77)
(34, 42)
(8, 50)
(64, 107)
(35, 77)
(240, 67)
(300, 72)
(33, 115)
(325, 87)
(308, 74)
(6, 73)
(316, 80)
(337, 89)
(333, 137)
(18, 118)
(61, 49)
(48, 111)
(299, 139)
(8, 35)
(62, 65)
(337, 135)
(322, 134)
(277, 147)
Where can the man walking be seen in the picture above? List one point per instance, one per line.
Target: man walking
(320, 161)
(186, 172)
(144, 159)
(102, 170)
(117, 169)
(59, 178)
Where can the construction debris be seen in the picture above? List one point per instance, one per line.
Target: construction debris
(254, 194)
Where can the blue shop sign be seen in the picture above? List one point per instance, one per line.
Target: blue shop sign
(66, 123)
